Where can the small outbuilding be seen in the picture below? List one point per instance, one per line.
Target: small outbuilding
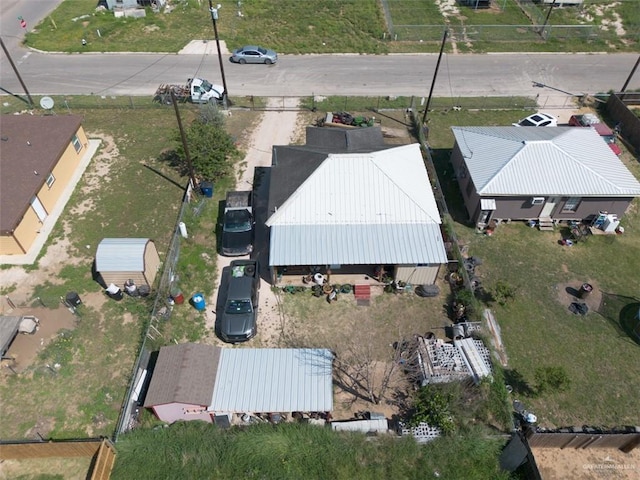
(8, 330)
(121, 259)
(193, 381)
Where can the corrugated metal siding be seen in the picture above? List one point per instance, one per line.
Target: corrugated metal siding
(356, 244)
(273, 380)
(121, 255)
(422, 275)
(566, 161)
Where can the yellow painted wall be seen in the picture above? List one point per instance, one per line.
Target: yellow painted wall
(9, 246)
(63, 171)
(27, 230)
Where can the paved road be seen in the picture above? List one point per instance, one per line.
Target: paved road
(460, 75)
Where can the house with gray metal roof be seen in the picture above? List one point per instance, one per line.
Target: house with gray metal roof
(201, 382)
(544, 174)
(121, 259)
(355, 206)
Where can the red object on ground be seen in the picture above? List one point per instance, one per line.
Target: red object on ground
(179, 298)
(362, 292)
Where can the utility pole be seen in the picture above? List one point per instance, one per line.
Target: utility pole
(544, 25)
(214, 19)
(435, 75)
(17, 73)
(184, 140)
(633, 71)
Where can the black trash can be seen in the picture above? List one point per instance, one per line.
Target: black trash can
(73, 299)
(585, 290)
(144, 290)
(207, 189)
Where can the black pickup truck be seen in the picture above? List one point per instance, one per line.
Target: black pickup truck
(237, 225)
(238, 318)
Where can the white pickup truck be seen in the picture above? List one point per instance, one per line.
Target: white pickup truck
(196, 90)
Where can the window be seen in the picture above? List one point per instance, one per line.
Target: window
(50, 180)
(571, 205)
(75, 141)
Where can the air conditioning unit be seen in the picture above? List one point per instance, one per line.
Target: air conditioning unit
(537, 200)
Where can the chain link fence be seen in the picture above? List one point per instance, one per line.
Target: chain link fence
(192, 204)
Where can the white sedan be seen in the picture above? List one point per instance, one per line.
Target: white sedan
(538, 120)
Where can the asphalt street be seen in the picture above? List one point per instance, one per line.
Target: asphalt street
(459, 75)
(301, 75)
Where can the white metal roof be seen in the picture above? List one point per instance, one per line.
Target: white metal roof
(567, 161)
(360, 208)
(121, 255)
(404, 244)
(273, 380)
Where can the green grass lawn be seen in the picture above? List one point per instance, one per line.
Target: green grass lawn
(295, 451)
(537, 327)
(128, 190)
(333, 26)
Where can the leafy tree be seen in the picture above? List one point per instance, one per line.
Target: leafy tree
(212, 149)
(551, 379)
(431, 406)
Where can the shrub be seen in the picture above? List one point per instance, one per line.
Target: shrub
(550, 379)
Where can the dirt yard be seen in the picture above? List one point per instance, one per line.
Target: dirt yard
(587, 464)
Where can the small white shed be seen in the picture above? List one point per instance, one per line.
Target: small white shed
(121, 259)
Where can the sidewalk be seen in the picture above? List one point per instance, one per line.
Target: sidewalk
(204, 47)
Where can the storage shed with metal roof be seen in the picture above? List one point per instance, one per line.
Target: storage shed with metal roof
(122, 259)
(201, 382)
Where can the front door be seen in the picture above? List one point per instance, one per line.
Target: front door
(549, 206)
(39, 209)
(485, 216)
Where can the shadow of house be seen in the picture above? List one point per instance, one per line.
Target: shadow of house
(347, 202)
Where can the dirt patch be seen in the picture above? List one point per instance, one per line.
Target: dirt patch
(570, 292)
(67, 468)
(275, 128)
(25, 348)
(587, 464)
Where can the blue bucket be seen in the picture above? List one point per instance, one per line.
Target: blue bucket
(207, 189)
(198, 302)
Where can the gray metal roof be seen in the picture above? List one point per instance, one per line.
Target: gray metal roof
(360, 208)
(396, 244)
(8, 330)
(565, 161)
(273, 380)
(121, 255)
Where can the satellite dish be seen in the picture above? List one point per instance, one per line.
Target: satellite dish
(46, 103)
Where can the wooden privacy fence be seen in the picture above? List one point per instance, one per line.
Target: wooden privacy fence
(101, 450)
(622, 441)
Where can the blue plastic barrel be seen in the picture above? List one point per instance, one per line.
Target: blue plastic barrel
(198, 302)
(207, 189)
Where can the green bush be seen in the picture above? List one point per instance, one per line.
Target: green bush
(551, 379)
